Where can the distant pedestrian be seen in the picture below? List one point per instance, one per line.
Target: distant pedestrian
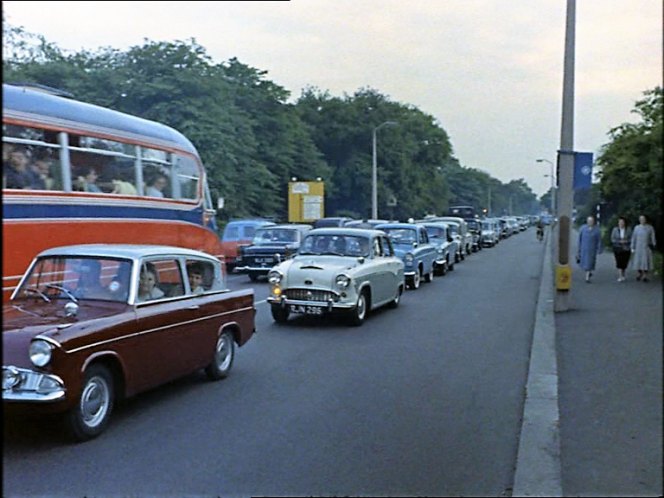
(643, 243)
(590, 245)
(621, 238)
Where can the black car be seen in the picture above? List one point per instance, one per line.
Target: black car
(475, 229)
(271, 245)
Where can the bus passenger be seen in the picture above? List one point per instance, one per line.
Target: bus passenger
(156, 188)
(16, 170)
(41, 169)
(88, 182)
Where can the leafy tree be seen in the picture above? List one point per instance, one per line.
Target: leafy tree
(253, 141)
(631, 164)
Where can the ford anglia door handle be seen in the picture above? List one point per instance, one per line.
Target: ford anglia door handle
(193, 307)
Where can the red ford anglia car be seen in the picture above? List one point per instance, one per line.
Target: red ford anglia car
(91, 324)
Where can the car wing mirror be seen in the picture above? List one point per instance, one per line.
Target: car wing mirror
(360, 259)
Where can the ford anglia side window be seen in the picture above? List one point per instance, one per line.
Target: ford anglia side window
(159, 278)
(77, 278)
(203, 276)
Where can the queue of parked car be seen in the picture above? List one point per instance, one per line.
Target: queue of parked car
(349, 267)
(89, 325)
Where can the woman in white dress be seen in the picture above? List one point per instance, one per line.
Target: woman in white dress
(643, 242)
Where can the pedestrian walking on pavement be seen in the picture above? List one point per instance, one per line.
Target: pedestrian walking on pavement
(621, 239)
(590, 245)
(642, 244)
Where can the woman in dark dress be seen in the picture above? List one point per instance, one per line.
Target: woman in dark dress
(621, 237)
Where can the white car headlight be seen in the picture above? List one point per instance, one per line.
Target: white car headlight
(274, 277)
(409, 258)
(342, 281)
(40, 352)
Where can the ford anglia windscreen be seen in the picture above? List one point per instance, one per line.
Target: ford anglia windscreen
(335, 245)
(271, 235)
(78, 279)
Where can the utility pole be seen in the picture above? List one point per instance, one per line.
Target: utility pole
(374, 169)
(563, 278)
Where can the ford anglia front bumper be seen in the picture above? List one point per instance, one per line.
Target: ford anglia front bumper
(23, 385)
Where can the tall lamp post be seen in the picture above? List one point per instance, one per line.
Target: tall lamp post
(374, 171)
(553, 186)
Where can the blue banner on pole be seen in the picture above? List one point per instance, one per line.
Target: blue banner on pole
(583, 170)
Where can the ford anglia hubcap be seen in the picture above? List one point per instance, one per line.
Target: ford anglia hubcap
(223, 354)
(95, 401)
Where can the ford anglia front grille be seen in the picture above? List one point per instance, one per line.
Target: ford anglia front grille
(311, 295)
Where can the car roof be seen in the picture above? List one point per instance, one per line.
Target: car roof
(435, 223)
(399, 225)
(252, 221)
(298, 226)
(128, 251)
(366, 232)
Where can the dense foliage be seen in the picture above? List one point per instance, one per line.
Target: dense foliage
(631, 166)
(253, 141)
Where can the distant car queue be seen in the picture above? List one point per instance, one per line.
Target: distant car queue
(349, 267)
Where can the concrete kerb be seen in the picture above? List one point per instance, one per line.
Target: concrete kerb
(538, 468)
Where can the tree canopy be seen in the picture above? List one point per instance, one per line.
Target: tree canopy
(631, 164)
(253, 140)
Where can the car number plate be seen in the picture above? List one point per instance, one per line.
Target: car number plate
(306, 310)
(263, 260)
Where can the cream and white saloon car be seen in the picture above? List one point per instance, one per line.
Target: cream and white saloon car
(337, 270)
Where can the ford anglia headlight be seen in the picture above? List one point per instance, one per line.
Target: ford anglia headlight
(342, 281)
(274, 277)
(409, 258)
(40, 353)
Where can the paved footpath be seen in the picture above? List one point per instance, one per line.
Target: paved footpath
(609, 358)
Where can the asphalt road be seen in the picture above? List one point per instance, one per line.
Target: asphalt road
(422, 400)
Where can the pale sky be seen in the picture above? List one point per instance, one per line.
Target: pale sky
(490, 71)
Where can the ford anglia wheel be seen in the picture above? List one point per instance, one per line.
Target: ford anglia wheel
(224, 353)
(91, 414)
(279, 313)
(429, 276)
(359, 313)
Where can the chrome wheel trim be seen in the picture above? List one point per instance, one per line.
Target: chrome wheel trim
(95, 401)
(361, 308)
(224, 352)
